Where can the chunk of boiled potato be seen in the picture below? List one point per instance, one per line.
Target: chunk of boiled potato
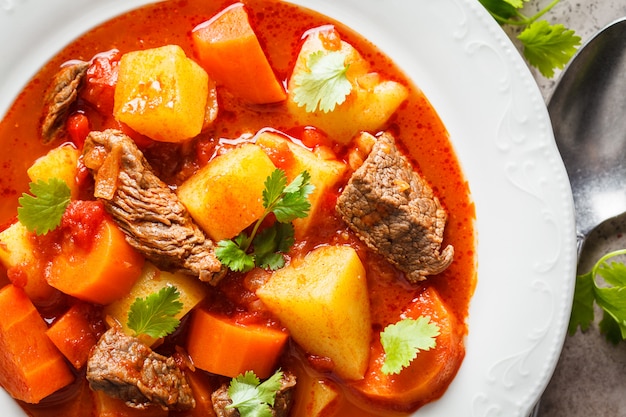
(323, 301)
(226, 195)
(18, 251)
(315, 396)
(61, 163)
(151, 281)
(368, 106)
(161, 93)
(324, 173)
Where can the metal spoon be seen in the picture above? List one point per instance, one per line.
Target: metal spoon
(588, 113)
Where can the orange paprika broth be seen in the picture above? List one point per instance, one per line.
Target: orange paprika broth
(279, 28)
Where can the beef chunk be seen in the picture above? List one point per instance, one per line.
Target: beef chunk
(394, 211)
(59, 97)
(156, 223)
(124, 367)
(282, 402)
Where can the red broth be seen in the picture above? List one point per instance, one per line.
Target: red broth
(280, 28)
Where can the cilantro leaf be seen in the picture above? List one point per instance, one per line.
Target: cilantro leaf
(231, 254)
(613, 273)
(274, 186)
(251, 397)
(155, 314)
(613, 301)
(545, 46)
(610, 329)
(325, 84)
(287, 202)
(582, 310)
(548, 46)
(402, 342)
(43, 210)
(270, 243)
(294, 203)
(502, 9)
(610, 296)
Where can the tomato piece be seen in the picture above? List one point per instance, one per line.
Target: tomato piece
(312, 137)
(101, 80)
(78, 128)
(82, 220)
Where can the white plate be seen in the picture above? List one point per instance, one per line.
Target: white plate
(500, 128)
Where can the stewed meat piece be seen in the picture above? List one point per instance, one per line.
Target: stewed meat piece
(59, 97)
(282, 403)
(395, 212)
(125, 368)
(156, 223)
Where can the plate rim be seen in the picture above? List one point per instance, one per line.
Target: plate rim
(520, 137)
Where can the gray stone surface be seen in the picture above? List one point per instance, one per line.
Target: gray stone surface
(590, 378)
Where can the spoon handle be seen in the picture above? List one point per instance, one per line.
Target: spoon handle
(580, 242)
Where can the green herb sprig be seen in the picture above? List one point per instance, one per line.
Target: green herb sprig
(251, 397)
(403, 340)
(325, 84)
(545, 46)
(610, 297)
(155, 315)
(287, 202)
(42, 210)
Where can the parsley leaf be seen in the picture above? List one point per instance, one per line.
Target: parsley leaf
(232, 253)
(548, 46)
(610, 297)
(403, 340)
(271, 242)
(43, 210)
(582, 309)
(502, 10)
(287, 202)
(155, 314)
(325, 85)
(251, 397)
(545, 46)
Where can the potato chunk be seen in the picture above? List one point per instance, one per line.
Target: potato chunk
(226, 195)
(368, 106)
(152, 280)
(61, 163)
(322, 299)
(161, 93)
(315, 396)
(324, 173)
(18, 253)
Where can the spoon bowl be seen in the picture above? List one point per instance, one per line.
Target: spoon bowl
(588, 113)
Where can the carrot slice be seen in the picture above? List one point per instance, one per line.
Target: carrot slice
(76, 332)
(101, 274)
(219, 345)
(428, 376)
(231, 54)
(31, 367)
(202, 390)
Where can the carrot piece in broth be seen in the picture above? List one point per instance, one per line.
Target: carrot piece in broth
(230, 52)
(76, 332)
(31, 367)
(428, 376)
(100, 274)
(221, 346)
